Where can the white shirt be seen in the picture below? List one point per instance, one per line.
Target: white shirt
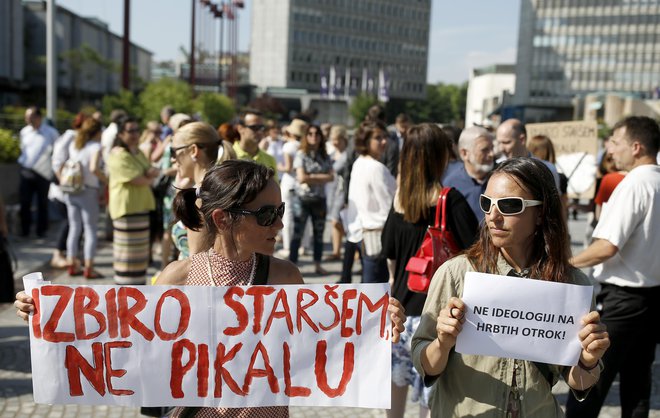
(35, 142)
(84, 156)
(370, 195)
(60, 155)
(631, 222)
(108, 139)
(288, 181)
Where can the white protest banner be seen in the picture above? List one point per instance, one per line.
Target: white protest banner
(576, 148)
(313, 345)
(522, 318)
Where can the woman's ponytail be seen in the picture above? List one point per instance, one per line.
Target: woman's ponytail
(185, 209)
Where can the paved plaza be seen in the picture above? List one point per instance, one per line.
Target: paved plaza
(15, 378)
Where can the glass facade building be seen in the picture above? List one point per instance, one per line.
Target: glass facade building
(567, 49)
(296, 42)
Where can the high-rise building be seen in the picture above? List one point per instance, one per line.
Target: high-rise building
(568, 49)
(341, 47)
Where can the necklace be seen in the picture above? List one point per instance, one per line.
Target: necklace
(213, 277)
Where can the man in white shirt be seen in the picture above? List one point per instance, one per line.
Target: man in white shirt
(625, 255)
(36, 141)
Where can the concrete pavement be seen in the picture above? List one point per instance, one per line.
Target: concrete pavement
(15, 378)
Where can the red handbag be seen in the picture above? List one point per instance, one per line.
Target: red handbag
(438, 246)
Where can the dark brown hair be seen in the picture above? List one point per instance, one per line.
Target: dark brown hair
(422, 162)
(364, 133)
(229, 185)
(550, 248)
(641, 129)
(541, 147)
(304, 145)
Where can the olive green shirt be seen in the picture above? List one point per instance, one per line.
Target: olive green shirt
(473, 385)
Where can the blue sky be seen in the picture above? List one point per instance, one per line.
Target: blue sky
(464, 33)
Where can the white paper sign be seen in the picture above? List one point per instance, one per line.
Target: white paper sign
(524, 319)
(313, 345)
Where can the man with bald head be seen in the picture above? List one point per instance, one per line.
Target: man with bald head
(511, 138)
(475, 146)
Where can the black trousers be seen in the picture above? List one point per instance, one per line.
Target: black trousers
(350, 248)
(631, 316)
(32, 184)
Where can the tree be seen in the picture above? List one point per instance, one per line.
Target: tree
(166, 91)
(444, 103)
(124, 100)
(360, 106)
(214, 108)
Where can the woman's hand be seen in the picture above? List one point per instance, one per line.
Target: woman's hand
(24, 305)
(450, 323)
(397, 313)
(594, 339)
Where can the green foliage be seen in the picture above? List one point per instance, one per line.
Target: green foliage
(9, 147)
(166, 91)
(214, 108)
(360, 106)
(125, 100)
(444, 103)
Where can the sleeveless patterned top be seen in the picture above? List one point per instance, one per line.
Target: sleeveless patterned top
(212, 269)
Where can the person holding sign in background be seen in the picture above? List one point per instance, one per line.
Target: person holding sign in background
(524, 235)
(238, 209)
(624, 253)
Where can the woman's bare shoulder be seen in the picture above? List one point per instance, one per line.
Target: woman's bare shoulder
(176, 273)
(283, 272)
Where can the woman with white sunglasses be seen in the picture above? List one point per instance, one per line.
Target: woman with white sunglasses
(524, 235)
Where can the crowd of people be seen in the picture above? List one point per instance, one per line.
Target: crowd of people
(221, 202)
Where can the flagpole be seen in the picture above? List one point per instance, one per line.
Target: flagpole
(192, 49)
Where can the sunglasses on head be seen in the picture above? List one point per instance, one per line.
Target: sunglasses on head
(506, 205)
(265, 215)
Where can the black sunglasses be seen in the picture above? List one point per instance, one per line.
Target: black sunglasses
(506, 205)
(266, 215)
(254, 128)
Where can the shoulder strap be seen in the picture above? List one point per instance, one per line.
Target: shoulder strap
(440, 207)
(261, 272)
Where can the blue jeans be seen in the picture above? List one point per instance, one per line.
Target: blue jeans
(374, 269)
(316, 208)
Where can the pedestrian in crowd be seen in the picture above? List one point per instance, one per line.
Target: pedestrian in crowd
(610, 177)
(623, 251)
(370, 195)
(475, 146)
(168, 169)
(238, 208)
(455, 162)
(335, 189)
(541, 147)
(194, 150)
(422, 163)
(512, 142)
(325, 129)
(131, 199)
(83, 206)
(401, 125)
(228, 133)
(110, 133)
(524, 235)
(251, 129)
(390, 156)
(166, 114)
(36, 172)
(150, 139)
(314, 170)
(292, 136)
(55, 194)
(273, 143)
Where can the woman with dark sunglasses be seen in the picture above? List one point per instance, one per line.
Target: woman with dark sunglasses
(524, 235)
(238, 209)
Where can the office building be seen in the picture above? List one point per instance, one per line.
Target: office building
(341, 46)
(568, 49)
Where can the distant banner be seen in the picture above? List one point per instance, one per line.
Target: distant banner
(522, 318)
(313, 345)
(576, 148)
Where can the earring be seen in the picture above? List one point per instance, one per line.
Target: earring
(192, 157)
